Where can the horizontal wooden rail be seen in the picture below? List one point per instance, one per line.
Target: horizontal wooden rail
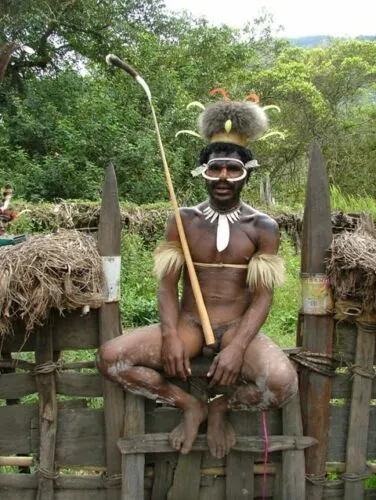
(159, 443)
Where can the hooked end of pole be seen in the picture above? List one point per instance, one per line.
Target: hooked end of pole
(113, 60)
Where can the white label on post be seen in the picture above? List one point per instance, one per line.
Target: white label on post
(111, 268)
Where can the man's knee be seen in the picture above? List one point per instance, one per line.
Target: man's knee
(106, 357)
(283, 385)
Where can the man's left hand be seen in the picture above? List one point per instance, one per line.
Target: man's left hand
(226, 366)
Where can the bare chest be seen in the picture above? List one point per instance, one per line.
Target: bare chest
(202, 239)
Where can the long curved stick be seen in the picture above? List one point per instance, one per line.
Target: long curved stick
(205, 322)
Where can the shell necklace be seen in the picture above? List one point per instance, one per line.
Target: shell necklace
(223, 228)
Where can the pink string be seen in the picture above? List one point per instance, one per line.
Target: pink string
(266, 454)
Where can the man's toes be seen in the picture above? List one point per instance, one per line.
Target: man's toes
(175, 440)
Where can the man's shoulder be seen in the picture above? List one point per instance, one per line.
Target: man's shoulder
(259, 219)
(190, 212)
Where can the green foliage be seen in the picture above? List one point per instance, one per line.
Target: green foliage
(65, 116)
(138, 284)
(281, 322)
(352, 204)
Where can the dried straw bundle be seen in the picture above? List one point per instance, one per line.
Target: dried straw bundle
(61, 271)
(352, 266)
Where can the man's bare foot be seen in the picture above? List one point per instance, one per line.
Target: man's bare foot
(183, 436)
(221, 434)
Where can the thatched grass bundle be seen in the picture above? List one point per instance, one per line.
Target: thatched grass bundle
(352, 266)
(57, 271)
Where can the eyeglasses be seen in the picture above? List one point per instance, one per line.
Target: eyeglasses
(234, 169)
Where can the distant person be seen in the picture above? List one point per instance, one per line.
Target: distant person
(6, 215)
(234, 248)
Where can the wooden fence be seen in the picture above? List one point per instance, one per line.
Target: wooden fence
(68, 434)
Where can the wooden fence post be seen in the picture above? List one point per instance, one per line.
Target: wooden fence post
(357, 436)
(317, 337)
(133, 465)
(45, 381)
(109, 326)
(293, 469)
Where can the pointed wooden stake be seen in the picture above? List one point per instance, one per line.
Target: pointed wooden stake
(317, 336)
(109, 328)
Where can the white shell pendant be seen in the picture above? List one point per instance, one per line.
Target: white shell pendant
(223, 232)
(223, 228)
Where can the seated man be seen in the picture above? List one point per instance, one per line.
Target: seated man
(234, 249)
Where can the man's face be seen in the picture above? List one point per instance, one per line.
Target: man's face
(223, 191)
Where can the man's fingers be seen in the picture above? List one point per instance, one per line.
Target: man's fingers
(187, 365)
(213, 367)
(180, 369)
(217, 376)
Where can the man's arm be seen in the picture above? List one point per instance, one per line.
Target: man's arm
(226, 367)
(175, 359)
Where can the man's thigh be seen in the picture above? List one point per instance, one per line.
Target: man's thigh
(263, 359)
(266, 364)
(142, 346)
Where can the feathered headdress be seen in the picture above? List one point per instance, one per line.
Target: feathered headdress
(7, 192)
(235, 122)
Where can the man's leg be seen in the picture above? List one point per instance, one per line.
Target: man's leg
(132, 360)
(269, 382)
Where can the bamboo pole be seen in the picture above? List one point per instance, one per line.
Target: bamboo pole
(205, 321)
(317, 335)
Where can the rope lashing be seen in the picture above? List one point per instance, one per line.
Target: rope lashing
(47, 473)
(353, 477)
(316, 479)
(322, 363)
(113, 481)
(363, 371)
(367, 327)
(48, 367)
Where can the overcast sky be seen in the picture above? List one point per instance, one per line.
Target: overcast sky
(299, 18)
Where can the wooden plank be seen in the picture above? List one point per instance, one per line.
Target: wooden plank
(80, 438)
(345, 341)
(342, 386)
(339, 424)
(293, 465)
(133, 465)
(163, 476)
(71, 331)
(254, 426)
(315, 389)
(188, 466)
(109, 324)
(213, 490)
(18, 385)
(186, 484)
(159, 443)
(239, 466)
(356, 451)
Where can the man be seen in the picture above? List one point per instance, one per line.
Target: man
(233, 247)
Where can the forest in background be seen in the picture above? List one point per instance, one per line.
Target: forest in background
(65, 115)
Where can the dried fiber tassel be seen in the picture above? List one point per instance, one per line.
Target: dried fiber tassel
(168, 256)
(265, 270)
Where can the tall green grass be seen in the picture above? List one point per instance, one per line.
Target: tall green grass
(352, 204)
(281, 322)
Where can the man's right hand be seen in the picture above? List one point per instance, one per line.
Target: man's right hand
(175, 358)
